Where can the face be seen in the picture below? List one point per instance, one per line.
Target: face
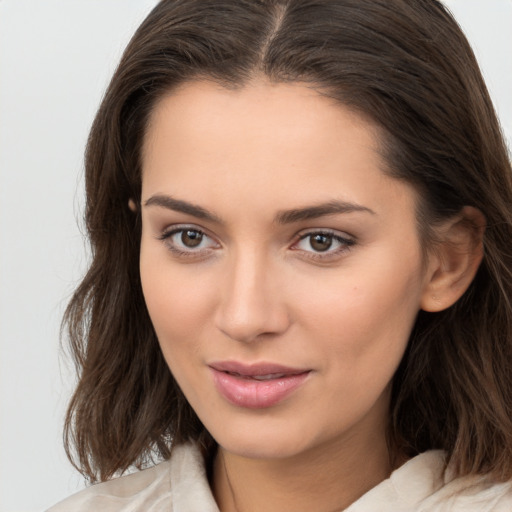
(280, 265)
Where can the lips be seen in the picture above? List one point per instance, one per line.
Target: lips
(259, 377)
(256, 386)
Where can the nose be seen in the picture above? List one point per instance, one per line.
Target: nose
(252, 300)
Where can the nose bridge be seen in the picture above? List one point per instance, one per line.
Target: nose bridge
(251, 303)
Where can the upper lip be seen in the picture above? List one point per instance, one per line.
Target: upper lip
(255, 370)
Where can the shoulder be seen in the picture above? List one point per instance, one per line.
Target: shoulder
(425, 484)
(155, 489)
(472, 494)
(443, 492)
(120, 493)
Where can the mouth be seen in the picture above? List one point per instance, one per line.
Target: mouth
(269, 376)
(256, 386)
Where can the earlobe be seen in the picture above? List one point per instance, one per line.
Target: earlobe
(132, 205)
(455, 260)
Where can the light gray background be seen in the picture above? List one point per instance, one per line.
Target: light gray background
(56, 57)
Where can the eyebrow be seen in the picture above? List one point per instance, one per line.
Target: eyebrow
(320, 210)
(282, 217)
(178, 205)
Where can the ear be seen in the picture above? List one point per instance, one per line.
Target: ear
(132, 205)
(454, 261)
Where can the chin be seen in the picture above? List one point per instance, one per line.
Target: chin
(259, 449)
(257, 442)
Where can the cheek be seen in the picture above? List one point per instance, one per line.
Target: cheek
(364, 338)
(178, 302)
(363, 318)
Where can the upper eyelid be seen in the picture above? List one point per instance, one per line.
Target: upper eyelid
(348, 241)
(341, 236)
(327, 231)
(176, 228)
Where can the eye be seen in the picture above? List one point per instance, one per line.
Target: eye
(190, 238)
(187, 240)
(321, 244)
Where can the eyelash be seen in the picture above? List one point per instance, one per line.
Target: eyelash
(346, 243)
(166, 238)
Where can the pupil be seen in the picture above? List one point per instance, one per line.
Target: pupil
(191, 238)
(321, 242)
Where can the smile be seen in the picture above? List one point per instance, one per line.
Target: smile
(257, 386)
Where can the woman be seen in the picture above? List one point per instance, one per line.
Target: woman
(300, 292)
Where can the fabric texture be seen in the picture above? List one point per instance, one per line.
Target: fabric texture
(180, 485)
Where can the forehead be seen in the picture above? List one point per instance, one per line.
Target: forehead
(288, 112)
(285, 142)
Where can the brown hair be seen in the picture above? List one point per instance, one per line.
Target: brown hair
(406, 65)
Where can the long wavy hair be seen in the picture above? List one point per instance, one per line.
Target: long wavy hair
(404, 64)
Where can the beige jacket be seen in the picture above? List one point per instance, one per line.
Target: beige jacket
(180, 485)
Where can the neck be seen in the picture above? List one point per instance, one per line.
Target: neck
(326, 478)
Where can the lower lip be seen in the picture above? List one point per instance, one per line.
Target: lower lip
(256, 394)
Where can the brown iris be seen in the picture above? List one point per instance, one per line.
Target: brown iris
(191, 238)
(320, 242)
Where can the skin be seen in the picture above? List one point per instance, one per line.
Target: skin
(256, 289)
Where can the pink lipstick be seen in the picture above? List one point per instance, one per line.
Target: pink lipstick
(256, 386)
